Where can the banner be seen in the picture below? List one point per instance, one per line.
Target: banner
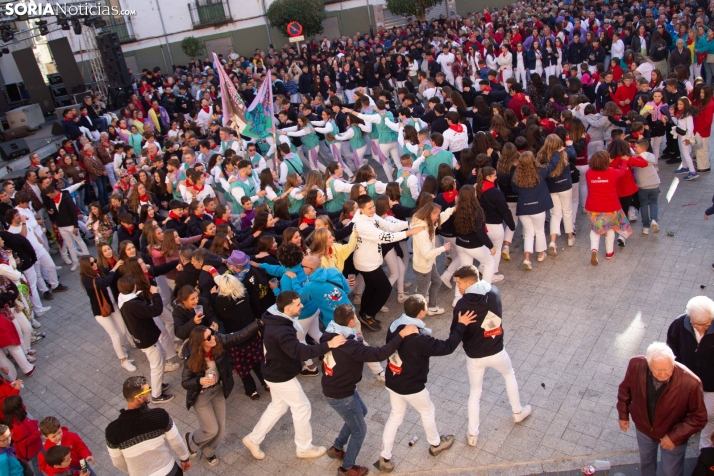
(231, 102)
(260, 113)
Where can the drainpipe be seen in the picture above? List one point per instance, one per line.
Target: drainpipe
(163, 29)
(267, 26)
(369, 16)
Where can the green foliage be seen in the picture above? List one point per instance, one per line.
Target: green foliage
(192, 47)
(416, 8)
(309, 13)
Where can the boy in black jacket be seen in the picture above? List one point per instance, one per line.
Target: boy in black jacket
(139, 317)
(342, 370)
(284, 355)
(407, 373)
(483, 344)
(65, 213)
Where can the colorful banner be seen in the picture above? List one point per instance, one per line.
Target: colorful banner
(260, 113)
(231, 102)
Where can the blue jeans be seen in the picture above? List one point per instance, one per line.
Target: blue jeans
(672, 460)
(648, 205)
(79, 199)
(352, 410)
(102, 194)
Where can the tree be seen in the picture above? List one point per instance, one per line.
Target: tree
(192, 46)
(309, 13)
(416, 8)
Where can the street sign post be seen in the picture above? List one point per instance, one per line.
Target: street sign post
(297, 39)
(294, 30)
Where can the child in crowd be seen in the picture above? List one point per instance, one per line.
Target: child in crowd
(647, 178)
(57, 435)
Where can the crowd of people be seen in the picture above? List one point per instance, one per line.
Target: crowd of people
(275, 257)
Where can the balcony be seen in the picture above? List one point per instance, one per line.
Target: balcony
(209, 13)
(120, 26)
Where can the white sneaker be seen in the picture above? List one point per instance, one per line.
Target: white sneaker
(552, 250)
(75, 265)
(471, 439)
(408, 285)
(506, 253)
(527, 265)
(655, 226)
(632, 214)
(253, 448)
(380, 377)
(384, 309)
(171, 366)
(128, 366)
(447, 282)
(571, 241)
(645, 231)
(35, 324)
(435, 311)
(313, 452)
(541, 256)
(525, 413)
(41, 311)
(66, 260)
(357, 299)
(497, 278)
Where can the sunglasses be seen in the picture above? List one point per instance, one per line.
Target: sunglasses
(210, 336)
(92, 262)
(143, 392)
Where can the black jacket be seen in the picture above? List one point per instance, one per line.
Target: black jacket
(66, 213)
(178, 225)
(139, 317)
(284, 353)
(414, 354)
(134, 237)
(102, 287)
(194, 277)
(257, 286)
(447, 228)
(495, 207)
(193, 227)
(191, 380)
(22, 246)
(183, 318)
(478, 342)
(341, 380)
(235, 314)
(705, 463)
(697, 357)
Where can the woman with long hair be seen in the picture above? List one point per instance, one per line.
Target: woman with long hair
(234, 309)
(560, 186)
(428, 281)
(603, 206)
(446, 200)
(139, 196)
(12, 336)
(533, 201)
(331, 253)
(702, 100)
(505, 169)
(496, 212)
(682, 116)
(472, 241)
(207, 378)
(310, 142)
(96, 284)
(101, 225)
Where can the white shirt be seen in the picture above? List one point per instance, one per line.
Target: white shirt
(446, 60)
(31, 237)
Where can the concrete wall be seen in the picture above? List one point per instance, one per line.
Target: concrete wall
(467, 6)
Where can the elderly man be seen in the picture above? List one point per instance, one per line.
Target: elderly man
(665, 401)
(680, 56)
(691, 338)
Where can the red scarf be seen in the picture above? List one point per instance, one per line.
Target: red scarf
(209, 355)
(198, 190)
(450, 196)
(205, 109)
(308, 221)
(112, 261)
(457, 128)
(636, 135)
(174, 216)
(57, 198)
(390, 213)
(207, 236)
(617, 116)
(131, 171)
(129, 229)
(494, 134)
(487, 185)
(144, 198)
(220, 221)
(199, 215)
(349, 217)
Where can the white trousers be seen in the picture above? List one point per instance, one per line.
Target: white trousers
(582, 186)
(18, 355)
(534, 228)
(496, 232)
(657, 147)
(453, 254)
(609, 241)
(686, 152)
(522, 76)
(702, 152)
(45, 262)
(310, 326)
(392, 149)
(156, 362)
(114, 326)
(284, 395)
(70, 239)
(422, 404)
(705, 440)
(575, 202)
(483, 255)
(31, 277)
(562, 211)
(396, 270)
(549, 71)
(476, 368)
(508, 233)
(165, 323)
(506, 73)
(24, 330)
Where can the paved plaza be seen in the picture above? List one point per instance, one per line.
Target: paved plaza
(570, 329)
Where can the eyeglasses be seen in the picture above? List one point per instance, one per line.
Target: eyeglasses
(308, 267)
(143, 392)
(210, 336)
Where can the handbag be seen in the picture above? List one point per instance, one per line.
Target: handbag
(104, 307)
(680, 131)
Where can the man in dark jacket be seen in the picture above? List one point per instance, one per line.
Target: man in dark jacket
(576, 51)
(65, 213)
(305, 81)
(691, 338)
(128, 230)
(284, 355)
(664, 399)
(193, 273)
(407, 373)
(342, 370)
(176, 220)
(138, 315)
(483, 344)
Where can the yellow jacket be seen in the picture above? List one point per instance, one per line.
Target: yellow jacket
(339, 254)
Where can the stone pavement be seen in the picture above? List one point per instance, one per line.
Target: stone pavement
(570, 329)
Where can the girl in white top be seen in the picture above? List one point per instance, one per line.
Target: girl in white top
(333, 181)
(683, 120)
(491, 62)
(355, 125)
(328, 126)
(505, 63)
(271, 187)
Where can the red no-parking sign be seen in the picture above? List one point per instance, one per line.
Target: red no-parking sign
(294, 29)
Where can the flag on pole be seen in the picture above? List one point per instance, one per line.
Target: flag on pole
(260, 113)
(231, 102)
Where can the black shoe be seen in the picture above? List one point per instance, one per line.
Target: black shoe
(673, 160)
(60, 288)
(255, 395)
(305, 372)
(163, 398)
(47, 295)
(620, 242)
(369, 323)
(212, 460)
(164, 387)
(704, 171)
(187, 437)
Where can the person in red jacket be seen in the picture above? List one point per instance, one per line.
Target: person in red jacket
(7, 389)
(519, 99)
(624, 95)
(603, 207)
(24, 431)
(619, 150)
(57, 435)
(702, 100)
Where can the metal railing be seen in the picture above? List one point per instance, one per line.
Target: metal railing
(209, 12)
(122, 27)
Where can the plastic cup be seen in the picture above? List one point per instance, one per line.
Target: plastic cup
(198, 309)
(274, 281)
